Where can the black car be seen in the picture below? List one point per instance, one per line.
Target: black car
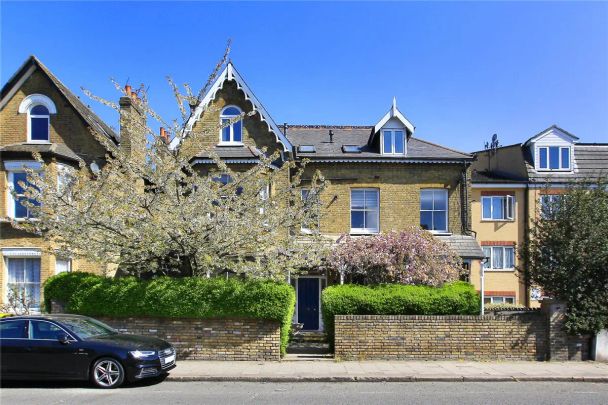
(79, 348)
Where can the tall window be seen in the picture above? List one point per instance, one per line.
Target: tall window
(39, 122)
(499, 207)
(393, 142)
(24, 278)
(554, 157)
(499, 257)
(17, 208)
(434, 210)
(364, 210)
(231, 133)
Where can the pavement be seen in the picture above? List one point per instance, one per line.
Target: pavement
(388, 371)
(309, 393)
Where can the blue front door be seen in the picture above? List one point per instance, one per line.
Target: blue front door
(308, 303)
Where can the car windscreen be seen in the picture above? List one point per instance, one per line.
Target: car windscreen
(88, 327)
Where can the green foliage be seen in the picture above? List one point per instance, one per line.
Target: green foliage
(567, 254)
(189, 297)
(457, 298)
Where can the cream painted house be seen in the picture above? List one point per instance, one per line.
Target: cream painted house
(510, 184)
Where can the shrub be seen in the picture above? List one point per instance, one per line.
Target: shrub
(457, 298)
(412, 257)
(191, 297)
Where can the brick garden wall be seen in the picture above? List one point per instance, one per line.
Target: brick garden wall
(456, 337)
(209, 339)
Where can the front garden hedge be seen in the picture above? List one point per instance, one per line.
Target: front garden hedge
(456, 298)
(92, 295)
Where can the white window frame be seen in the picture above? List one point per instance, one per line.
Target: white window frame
(509, 212)
(23, 254)
(11, 168)
(303, 228)
(447, 208)
(490, 258)
(561, 167)
(367, 231)
(392, 151)
(231, 142)
(26, 106)
(503, 297)
(63, 259)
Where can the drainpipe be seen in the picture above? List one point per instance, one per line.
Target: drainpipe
(482, 287)
(526, 239)
(464, 195)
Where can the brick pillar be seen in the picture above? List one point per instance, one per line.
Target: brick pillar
(57, 307)
(555, 311)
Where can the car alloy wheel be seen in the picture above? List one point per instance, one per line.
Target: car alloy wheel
(108, 373)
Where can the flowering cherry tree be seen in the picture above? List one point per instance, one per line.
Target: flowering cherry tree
(412, 256)
(150, 210)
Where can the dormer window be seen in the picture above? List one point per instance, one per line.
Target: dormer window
(231, 133)
(393, 142)
(554, 158)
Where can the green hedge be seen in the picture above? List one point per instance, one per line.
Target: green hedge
(92, 295)
(395, 299)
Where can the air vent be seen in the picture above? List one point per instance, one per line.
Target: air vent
(306, 149)
(351, 149)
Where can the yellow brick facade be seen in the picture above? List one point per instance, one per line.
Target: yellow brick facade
(399, 187)
(66, 127)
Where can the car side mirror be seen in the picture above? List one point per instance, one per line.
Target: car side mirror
(63, 338)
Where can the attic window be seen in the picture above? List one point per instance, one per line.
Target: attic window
(232, 131)
(351, 149)
(554, 158)
(393, 142)
(306, 149)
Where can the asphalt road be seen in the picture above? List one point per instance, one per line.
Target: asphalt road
(351, 393)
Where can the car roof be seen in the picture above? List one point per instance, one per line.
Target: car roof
(51, 317)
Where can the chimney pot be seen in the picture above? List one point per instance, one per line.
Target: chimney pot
(127, 89)
(331, 136)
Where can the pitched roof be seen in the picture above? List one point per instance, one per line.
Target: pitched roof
(589, 162)
(552, 127)
(55, 149)
(228, 74)
(28, 67)
(464, 245)
(318, 136)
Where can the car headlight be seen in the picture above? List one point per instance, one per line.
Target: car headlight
(142, 354)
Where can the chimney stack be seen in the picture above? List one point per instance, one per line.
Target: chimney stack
(132, 125)
(164, 135)
(331, 136)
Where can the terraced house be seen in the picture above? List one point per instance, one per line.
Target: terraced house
(382, 177)
(38, 113)
(511, 186)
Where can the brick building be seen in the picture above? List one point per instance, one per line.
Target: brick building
(510, 187)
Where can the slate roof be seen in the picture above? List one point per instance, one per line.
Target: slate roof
(85, 112)
(55, 149)
(464, 245)
(590, 160)
(318, 136)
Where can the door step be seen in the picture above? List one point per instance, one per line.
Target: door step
(304, 343)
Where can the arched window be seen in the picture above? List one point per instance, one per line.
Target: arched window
(39, 118)
(39, 109)
(233, 133)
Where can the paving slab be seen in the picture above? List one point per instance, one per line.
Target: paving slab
(293, 371)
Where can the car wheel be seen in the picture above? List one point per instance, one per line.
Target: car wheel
(107, 373)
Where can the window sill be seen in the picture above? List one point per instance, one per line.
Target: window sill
(440, 233)
(554, 170)
(356, 232)
(499, 270)
(497, 220)
(231, 144)
(39, 142)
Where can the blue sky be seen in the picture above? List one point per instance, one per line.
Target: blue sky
(460, 71)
